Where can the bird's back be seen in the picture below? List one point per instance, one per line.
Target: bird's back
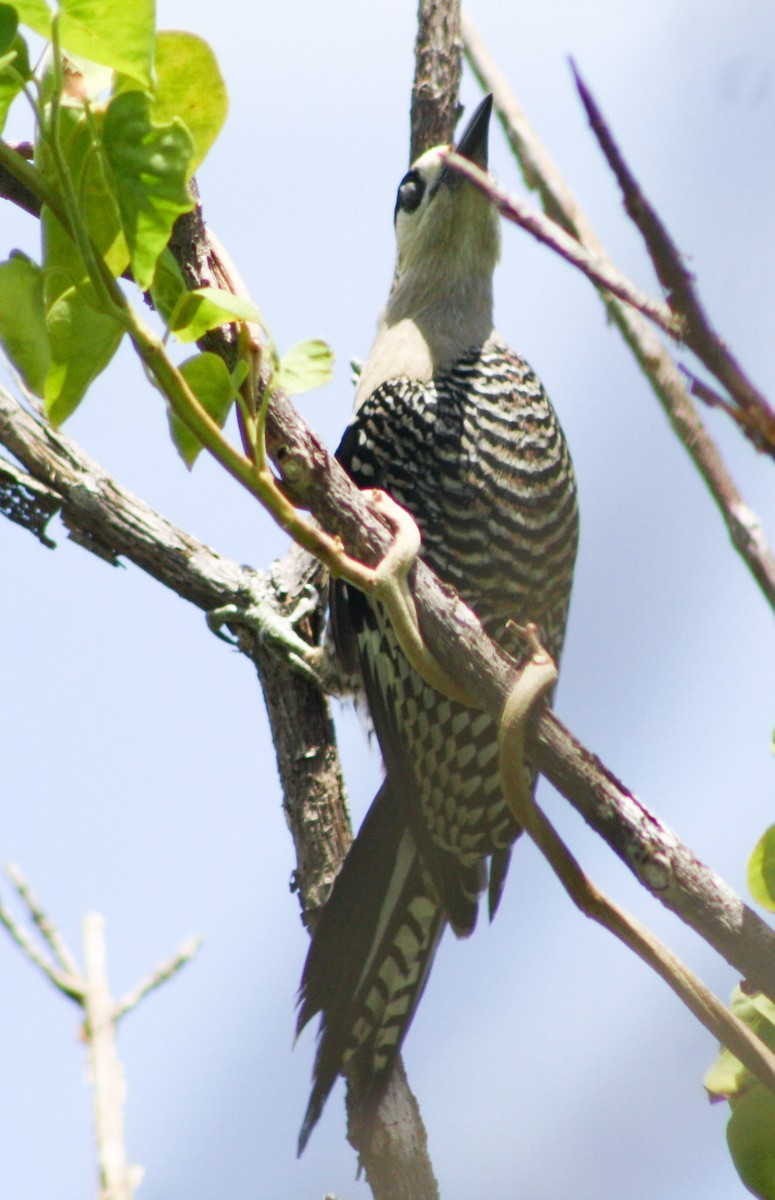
(478, 458)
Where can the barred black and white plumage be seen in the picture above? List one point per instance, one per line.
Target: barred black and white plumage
(458, 429)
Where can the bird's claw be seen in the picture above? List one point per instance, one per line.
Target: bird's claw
(272, 628)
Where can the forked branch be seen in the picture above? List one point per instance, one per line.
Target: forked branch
(88, 987)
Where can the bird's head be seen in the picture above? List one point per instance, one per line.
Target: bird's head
(444, 225)
(440, 305)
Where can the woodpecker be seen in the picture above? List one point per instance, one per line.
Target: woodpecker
(459, 430)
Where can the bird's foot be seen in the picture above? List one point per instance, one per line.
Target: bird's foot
(391, 588)
(535, 680)
(260, 618)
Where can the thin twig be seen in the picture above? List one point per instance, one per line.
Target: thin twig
(744, 526)
(538, 168)
(70, 986)
(756, 417)
(698, 998)
(157, 977)
(599, 270)
(50, 933)
(709, 395)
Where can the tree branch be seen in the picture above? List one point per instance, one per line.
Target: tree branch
(657, 857)
(438, 58)
(157, 977)
(111, 522)
(661, 862)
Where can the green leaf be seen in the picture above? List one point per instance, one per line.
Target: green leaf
(36, 14)
(306, 366)
(751, 1127)
(113, 33)
(191, 314)
(751, 1140)
(150, 164)
(728, 1078)
(207, 308)
(83, 339)
(761, 870)
(79, 143)
(23, 331)
(17, 59)
(82, 344)
(763, 1023)
(9, 23)
(208, 377)
(189, 85)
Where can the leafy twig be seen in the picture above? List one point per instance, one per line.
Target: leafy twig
(257, 478)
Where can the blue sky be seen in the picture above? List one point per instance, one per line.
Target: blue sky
(138, 776)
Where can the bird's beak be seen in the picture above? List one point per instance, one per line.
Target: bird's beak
(473, 143)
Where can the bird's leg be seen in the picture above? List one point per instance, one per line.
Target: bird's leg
(261, 617)
(391, 588)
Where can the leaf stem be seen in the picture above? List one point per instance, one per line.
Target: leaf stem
(93, 261)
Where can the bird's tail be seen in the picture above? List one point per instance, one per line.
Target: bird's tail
(370, 955)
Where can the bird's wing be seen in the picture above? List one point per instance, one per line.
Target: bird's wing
(365, 642)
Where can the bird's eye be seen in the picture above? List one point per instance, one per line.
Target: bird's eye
(410, 192)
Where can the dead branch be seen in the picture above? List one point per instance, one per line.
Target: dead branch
(89, 988)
